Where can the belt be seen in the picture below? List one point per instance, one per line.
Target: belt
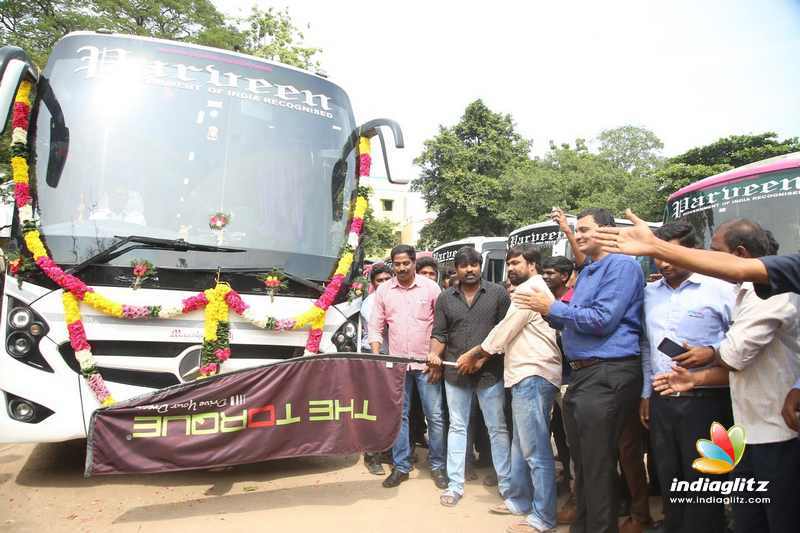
(586, 363)
(701, 393)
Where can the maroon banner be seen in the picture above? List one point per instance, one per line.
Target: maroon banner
(319, 405)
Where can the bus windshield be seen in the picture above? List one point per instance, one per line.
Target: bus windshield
(151, 138)
(771, 199)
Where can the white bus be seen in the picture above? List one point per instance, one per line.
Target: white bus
(137, 144)
(492, 250)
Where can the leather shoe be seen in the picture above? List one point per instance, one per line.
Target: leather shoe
(440, 479)
(395, 478)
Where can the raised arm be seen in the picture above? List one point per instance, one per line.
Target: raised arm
(558, 216)
(640, 240)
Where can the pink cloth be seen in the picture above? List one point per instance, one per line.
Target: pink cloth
(408, 313)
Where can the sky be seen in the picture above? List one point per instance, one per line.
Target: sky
(690, 71)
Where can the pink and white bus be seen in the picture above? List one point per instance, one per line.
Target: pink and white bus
(767, 192)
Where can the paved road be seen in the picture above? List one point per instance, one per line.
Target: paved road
(42, 489)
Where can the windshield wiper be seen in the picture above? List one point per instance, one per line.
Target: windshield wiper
(294, 277)
(147, 243)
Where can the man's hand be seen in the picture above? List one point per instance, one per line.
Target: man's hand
(791, 410)
(557, 215)
(538, 301)
(470, 362)
(434, 374)
(644, 412)
(695, 356)
(434, 360)
(636, 240)
(679, 380)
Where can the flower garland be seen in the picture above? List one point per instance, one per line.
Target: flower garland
(216, 302)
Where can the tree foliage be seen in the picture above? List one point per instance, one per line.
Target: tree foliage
(36, 25)
(633, 149)
(721, 155)
(462, 174)
(379, 235)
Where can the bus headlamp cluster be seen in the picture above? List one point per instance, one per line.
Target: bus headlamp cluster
(345, 337)
(24, 329)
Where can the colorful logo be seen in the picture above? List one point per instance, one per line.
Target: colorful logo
(723, 452)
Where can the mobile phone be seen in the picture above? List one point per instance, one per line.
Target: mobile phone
(671, 348)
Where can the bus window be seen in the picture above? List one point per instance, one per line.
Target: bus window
(494, 269)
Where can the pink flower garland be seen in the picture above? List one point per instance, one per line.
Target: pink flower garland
(193, 303)
(364, 164)
(22, 194)
(209, 370)
(235, 302)
(77, 336)
(20, 116)
(314, 338)
(284, 324)
(98, 387)
(64, 280)
(327, 298)
(135, 312)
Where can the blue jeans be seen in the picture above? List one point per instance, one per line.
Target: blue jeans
(431, 396)
(491, 401)
(533, 469)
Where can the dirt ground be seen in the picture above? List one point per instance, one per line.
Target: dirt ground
(42, 488)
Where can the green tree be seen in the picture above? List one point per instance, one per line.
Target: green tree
(462, 175)
(271, 34)
(37, 25)
(575, 178)
(721, 155)
(379, 235)
(636, 150)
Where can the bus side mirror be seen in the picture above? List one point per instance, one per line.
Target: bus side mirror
(14, 66)
(375, 128)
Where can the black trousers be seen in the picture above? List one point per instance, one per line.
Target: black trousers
(778, 463)
(560, 437)
(597, 403)
(675, 426)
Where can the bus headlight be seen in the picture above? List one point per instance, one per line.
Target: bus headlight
(19, 344)
(25, 328)
(20, 318)
(345, 337)
(24, 410)
(21, 410)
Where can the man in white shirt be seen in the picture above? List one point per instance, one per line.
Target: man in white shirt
(379, 273)
(761, 351)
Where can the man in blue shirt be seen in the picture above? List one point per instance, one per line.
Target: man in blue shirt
(600, 331)
(694, 311)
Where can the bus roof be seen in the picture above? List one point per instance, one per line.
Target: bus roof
(781, 162)
(571, 219)
(475, 241)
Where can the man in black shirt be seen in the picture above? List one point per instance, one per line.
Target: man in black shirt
(464, 316)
